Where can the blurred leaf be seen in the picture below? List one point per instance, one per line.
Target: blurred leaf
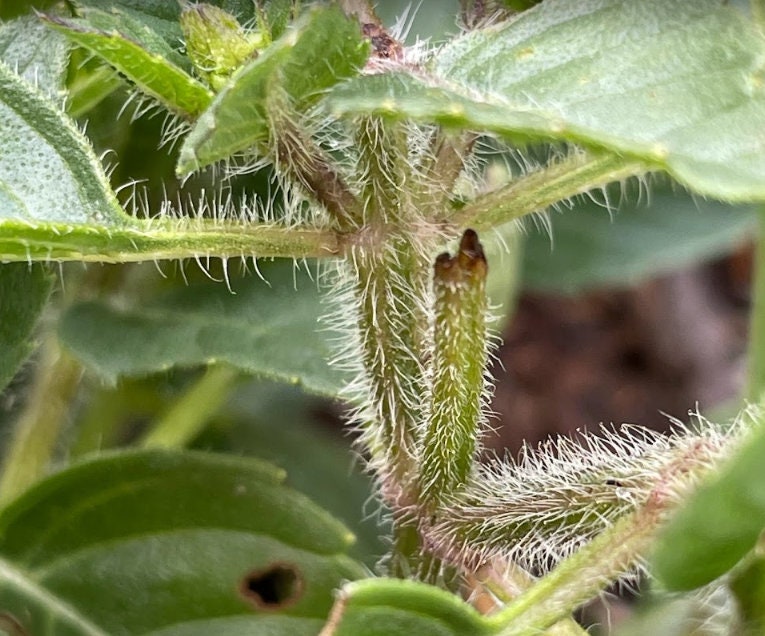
(748, 586)
(173, 543)
(677, 84)
(590, 247)
(140, 54)
(24, 289)
(331, 474)
(269, 329)
(718, 525)
(394, 607)
(239, 116)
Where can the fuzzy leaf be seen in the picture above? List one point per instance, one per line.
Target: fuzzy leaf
(266, 329)
(676, 84)
(718, 525)
(154, 542)
(23, 293)
(238, 118)
(141, 55)
(35, 53)
(590, 247)
(393, 607)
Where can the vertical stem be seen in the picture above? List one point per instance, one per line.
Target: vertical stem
(188, 416)
(756, 374)
(459, 358)
(37, 431)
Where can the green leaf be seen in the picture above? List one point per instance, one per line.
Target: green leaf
(170, 543)
(718, 525)
(590, 246)
(393, 607)
(141, 55)
(321, 50)
(748, 586)
(35, 53)
(24, 291)
(676, 84)
(268, 329)
(42, 147)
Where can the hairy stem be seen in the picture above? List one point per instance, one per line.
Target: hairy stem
(37, 430)
(191, 412)
(159, 239)
(538, 190)
(458, 359)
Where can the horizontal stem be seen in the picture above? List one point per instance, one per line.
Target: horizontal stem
(538, 190)
(159, 239)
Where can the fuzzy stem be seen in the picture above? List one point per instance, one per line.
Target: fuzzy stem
(37, 430)
(756, 374)
(300, 160)
(538, 190)
(459, 356)
(188, 416)
(582, 576)
(159, 239)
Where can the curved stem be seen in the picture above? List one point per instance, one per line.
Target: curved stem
(37, 430)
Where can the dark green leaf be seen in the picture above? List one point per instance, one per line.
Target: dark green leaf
(141, 55)
(269, 329)
(677, 84)
(174, 543)
(388, 607)
(590, 247)
(320, 51)
(718, 525)
(24, 290)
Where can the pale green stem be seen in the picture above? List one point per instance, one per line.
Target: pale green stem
(459, 355)
(37, 430)
(581, 576)
(159, 239)
(538, 190)
(756, 374)
(192, 411)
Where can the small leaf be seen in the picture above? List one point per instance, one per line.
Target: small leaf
(677, 84)
(269, 329)
(24, 290)
(174, 543)
(718, 525)
(393, 607)
(238, 118)
(141, 55)
(589, 246)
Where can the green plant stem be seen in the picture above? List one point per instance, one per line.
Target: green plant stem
(37, 430)
(538, 190)
(581, 576)
(160, 239)
(756, 373)
(191, 412)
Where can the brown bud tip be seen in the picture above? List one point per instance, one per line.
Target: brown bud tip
(471, 255)
(443, 263)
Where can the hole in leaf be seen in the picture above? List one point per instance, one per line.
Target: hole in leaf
(273, 588)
